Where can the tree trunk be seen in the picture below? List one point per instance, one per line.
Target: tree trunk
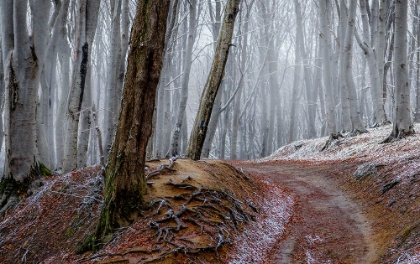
(20, 64)
(211, 88)
(402, 124)
(125, 176)
(193, 21)
(350, 91)
(310, 95)
(77, 89)
(112, 100)
(2, 91)
(374, 67)
(417, 80)
(92, 9)
(326, 67)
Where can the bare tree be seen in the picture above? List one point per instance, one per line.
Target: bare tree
(202, 119)
(79, 85)
(125, 176)
(402, 123)
(191, 36)
(326, 67)
(21, 62)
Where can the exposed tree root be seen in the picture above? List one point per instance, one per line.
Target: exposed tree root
(333, 137)
(162, 168)
(210, 213)
(398, 134)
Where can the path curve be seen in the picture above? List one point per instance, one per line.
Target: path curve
(326, 226)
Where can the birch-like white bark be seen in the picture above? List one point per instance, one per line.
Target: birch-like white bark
(402, 123)
(21, 97)
(192, 32)
(76, 92)
(326, 67)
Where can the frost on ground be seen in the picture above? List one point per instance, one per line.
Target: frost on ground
(407, 258)
(253, 245)
(359, 148)
(367, 148)
(389, 173)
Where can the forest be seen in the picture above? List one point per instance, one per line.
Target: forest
(117, 82)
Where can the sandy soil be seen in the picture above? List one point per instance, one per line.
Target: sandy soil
(327, 225)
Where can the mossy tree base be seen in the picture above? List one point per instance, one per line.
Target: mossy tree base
(125, 181)
(12, 190)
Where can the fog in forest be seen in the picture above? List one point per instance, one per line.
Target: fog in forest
(296, 70)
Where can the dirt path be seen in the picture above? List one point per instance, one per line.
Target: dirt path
(327, 226)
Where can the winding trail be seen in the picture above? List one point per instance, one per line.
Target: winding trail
(326, 226)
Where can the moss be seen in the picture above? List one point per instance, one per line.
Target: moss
(87, 245)
(402, 237)
(39, 169)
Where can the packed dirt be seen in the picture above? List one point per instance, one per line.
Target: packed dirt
(327, 226)
(300, 205)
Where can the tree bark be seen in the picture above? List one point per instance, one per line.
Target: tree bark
(77, 89)
(125, 182)
(202, 119)
(402, 123)
(20, 65)
(350, 91)
(326, 67)
(192, 32)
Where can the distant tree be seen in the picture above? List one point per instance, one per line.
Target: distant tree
(402, 123)
(211, 88)
(125, 182)
(324, 12)
(191, 35)
(87, 19)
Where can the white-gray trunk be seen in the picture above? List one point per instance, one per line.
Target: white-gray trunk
(21, 97)
(374, 68)
(113, 98)
(326, 67)
(311, 98)
(84, 136)
(40, 24)
(193, 21)
(77, 86)
(2, 91)
(356, 123)
(402, 123)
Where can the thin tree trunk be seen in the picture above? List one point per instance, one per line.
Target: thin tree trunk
(326, 68)
(202, 119)
(92, 10)
(193, 21)
(77, 89)
(356, 123)
(310, 96)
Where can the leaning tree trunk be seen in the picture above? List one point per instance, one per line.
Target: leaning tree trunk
(125, 182)
(402, 124)
(211, 88)
(193, 21)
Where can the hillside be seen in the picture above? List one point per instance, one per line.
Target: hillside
(382, 178)
(246, 212)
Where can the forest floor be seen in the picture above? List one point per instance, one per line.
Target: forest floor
(355, 202)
